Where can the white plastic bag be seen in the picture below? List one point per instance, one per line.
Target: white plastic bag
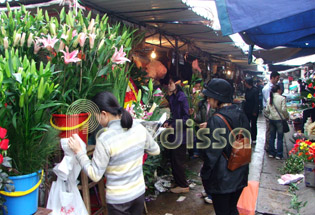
(64, 197)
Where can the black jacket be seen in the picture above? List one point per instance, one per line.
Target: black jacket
(251, 104)
(217, 178)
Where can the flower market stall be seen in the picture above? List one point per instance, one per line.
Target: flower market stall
(47, 63)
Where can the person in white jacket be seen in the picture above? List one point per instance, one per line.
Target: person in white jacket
(276, 103)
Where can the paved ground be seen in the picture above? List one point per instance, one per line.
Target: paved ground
(272, 198)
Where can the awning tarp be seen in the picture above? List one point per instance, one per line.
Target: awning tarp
(240, 15)
(269, 23)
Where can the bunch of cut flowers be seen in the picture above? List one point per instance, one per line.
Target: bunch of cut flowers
(147, 105)
(304, 149)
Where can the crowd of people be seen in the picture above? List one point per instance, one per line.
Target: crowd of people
(120, 147)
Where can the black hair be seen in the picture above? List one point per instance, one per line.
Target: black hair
(274, 74)
(175, 79)
(106, 101)
(198, 81)
(273, 90)
(249, 81)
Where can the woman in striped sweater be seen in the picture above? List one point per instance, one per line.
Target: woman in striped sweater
(118, 154)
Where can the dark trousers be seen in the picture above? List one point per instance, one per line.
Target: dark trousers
(226, 204)
(276, 129)
(178, 157)
(134, 207)
(267, 137)
(253, 125)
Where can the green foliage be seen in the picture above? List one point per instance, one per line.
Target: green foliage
(293, 165)
(138, 76)
(27, 93)
(295, 204)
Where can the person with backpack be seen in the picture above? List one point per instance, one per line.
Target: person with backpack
(224, 185)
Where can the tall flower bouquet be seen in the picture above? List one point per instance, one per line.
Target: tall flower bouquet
(89, 55)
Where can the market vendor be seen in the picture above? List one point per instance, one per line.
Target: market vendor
(118, 152)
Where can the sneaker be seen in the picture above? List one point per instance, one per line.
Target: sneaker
(208, 200)
(180, 190)
(204, 194)
(271, 156)
(278, 158)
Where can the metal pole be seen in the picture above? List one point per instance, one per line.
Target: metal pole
(176, 57)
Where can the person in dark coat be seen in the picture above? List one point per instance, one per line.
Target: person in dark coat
(179, 109)
(225, 186)
(251, 106)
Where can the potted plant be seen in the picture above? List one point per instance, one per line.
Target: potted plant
(26, 96)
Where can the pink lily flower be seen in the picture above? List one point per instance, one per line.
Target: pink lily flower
(49, 43)
(158, 95)
(119, 56)
(70, 57)
(74, 33)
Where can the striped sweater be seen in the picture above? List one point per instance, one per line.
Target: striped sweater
(118, 153)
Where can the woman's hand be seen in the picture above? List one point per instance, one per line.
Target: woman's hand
(203, 125)
(74, 143)
(191, 111)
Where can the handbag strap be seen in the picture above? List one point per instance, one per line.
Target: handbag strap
(225, 121)
(278, 112)
(228, 125)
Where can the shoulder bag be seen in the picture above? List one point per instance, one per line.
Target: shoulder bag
(285, 125)
(240, 156)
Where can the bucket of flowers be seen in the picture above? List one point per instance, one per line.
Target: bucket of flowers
(305, 150)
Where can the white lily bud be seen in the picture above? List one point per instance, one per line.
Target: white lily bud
(16, 39)
(152, 108)
(61, 46)
(101, 44)
(30, 40)
(52, 27)
(22, 39)
(92, 39)
(5, 43)
(91, 25)
(76, 42)
(3, 30)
